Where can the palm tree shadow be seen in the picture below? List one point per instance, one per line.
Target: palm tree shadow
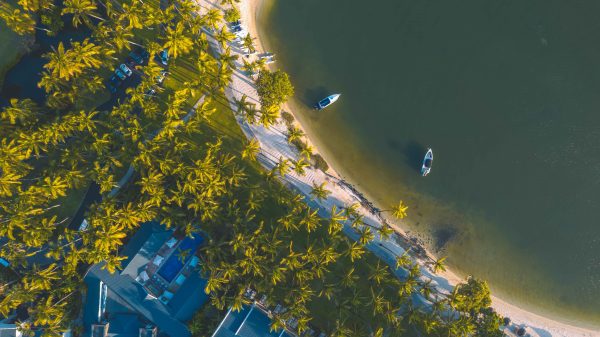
(413, 154)
(313, 95)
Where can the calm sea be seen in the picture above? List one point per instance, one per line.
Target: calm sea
(507, 93)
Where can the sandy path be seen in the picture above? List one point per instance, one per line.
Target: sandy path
(274, 145)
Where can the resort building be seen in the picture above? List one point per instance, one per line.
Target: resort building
(251, 321)
(156, 291)
(9, 330)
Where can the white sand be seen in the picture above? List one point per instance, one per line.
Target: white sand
(274, 145)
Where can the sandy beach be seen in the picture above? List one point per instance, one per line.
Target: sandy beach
(274, 146)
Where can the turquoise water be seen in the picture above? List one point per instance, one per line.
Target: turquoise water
(508, 96)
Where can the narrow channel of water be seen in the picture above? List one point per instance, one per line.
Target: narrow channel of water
(507, 95)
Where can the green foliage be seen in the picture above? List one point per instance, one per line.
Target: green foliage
(274, 88)
(205, 321)
(193, 171)
(473, 296)
(288, 118)
(319, 162)
(232, 14)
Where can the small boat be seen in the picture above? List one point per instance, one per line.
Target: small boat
(327, 101)
(427, 161)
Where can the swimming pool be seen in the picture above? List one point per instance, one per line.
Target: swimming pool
(174, 263)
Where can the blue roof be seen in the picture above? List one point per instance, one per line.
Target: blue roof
(128, 296)
(137, 298)
(189, 297)
(249, 322)
(142, 247)
(92, 302)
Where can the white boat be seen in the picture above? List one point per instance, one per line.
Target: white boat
(327, 101)
(427, 161)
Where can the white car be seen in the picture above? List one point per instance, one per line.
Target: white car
(125, 69)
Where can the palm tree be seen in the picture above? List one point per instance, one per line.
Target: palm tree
(249, 67)
(293, 134)
(177, 41)
(310, 220)
(336, 219)
(249, 44)
(365, 235)
(62, 64)
(20, 22)
(223, 36)
(229, 2)
(228, 59)
(319, 192)
(379, 273)
(213, 17)
(355, 251)
(385, 232)
(269, 116)
(403, 260)
(251, 149)
(282, 167)
(300, 166)
(399, 211)
(23, 111)
(81, 10)
(307, 151)
(426, 289)
(439, 265)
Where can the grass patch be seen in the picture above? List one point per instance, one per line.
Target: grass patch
(13, 47)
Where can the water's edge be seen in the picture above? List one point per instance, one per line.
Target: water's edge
(262, 16)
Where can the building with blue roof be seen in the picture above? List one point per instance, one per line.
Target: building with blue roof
(251, 321)
(158, 286)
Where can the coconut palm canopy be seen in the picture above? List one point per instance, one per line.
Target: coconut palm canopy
(173, 152)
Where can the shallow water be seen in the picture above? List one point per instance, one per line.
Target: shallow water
(508, 96)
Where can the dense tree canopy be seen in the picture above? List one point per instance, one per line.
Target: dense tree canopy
(174, 153)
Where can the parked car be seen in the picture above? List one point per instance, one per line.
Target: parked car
(130, 62)
(125, 69)
(163, 57)
(113, 83)
(120, 74)
(144, 53)
(136, 57)
(161, 78)
(151, 92)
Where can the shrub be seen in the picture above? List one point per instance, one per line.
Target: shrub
(232, 15)
(320, 163)
(300, 145)
(274, 88)
(288, 118)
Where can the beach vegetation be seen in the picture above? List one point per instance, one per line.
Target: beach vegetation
(439, 265)
(288, 118)
(319, 161)
(319, 191)
(232, 14)
(400, 211)
(192, 170)
(248, 43)
(274, 88)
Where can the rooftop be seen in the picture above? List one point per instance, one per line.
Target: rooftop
(133, 292)
(251, 321)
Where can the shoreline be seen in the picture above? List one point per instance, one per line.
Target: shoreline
(536, 325)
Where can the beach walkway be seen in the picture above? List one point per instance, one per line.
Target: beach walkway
(274, 146)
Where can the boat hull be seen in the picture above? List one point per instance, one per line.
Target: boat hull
(327, 101)
(427, 162)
